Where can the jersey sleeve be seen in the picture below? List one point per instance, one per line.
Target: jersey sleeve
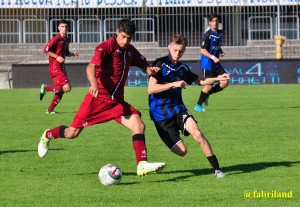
(190, 77)
(139, 60)
(205, 41)
(51, 45)
(100, 54)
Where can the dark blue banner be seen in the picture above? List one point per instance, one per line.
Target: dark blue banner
(241, 72)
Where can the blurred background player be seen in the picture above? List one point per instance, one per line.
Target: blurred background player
(107, 73)
(57, 49)
(210, 63)
(167, 109)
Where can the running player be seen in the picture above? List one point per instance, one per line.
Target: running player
(210, 63)
(167, 109)
(57, 49)
(107, 73)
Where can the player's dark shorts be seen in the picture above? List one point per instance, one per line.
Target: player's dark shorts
(212, 73)
(168, 129)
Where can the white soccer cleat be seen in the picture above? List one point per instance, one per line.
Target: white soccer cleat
(219, 174)
(145, 167)
(43, 145)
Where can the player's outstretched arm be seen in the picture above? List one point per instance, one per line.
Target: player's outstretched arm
(155, 87)
(209, 81)
(152, 70)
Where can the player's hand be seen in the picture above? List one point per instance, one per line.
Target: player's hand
(222, 54)
(60, 59)
(224, 76)
(76, 54)
(179, 84)
(216, 60)
(152, 70)
(94, 90)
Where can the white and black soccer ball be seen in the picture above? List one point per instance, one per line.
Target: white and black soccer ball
(110, 174)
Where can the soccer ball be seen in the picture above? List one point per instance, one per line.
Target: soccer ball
(110, 174)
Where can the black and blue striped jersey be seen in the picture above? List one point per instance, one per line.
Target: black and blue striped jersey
(167, 104)
(211, 41)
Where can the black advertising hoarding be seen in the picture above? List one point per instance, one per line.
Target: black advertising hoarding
(250, 72)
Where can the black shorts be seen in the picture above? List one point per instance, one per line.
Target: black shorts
(168, 129)
(212, 73)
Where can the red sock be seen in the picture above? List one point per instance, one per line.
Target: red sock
(56, 99)
(139, 147)
(57, 132)
(56, 89)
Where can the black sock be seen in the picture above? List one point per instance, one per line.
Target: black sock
(202, 98)
(214, 162)
(62, 131)
(215, 89)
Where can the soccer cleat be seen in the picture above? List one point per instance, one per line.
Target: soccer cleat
(51, 112)
(145, 167)
(206, 102)
(219, 174)
(43, 145)
(42, 91)
(199, 108)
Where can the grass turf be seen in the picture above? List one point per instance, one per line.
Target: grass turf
(254, 131)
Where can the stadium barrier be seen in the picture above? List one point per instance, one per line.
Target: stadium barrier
(242, 72)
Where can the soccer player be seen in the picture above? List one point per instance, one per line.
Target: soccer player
(167, 109)
(210, 63)
(57, 49)
(107, 73)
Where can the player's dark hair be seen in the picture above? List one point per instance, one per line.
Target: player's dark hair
(127, 26)
(63, 21)
(179, 40)
(214, 15)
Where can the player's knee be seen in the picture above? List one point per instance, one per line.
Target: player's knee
(179, 149)
(182, 152)
(139, 128)
(224, 84)
(67, 89)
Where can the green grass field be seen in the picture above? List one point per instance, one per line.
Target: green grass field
(254, 131)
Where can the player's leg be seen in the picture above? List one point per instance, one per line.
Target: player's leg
(204, 94)
(169, 133)
(45, 88)
(58, 96)
(55, 133)
(62, 86)
(193, 129)
(55, 100)
(222, 84)
(67, 87)
(135, 124)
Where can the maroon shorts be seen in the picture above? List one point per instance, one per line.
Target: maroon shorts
(98, 110)
(60, 78)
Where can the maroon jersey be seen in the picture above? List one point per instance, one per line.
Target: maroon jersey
(112, 66)
(60, 47)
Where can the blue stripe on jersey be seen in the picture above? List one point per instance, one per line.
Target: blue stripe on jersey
(168, 104)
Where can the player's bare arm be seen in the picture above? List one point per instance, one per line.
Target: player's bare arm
(155, 87)
(152, 70)
(57, 57)
(90, 71)
(210, 56)
(75, 54)
(209, 81)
